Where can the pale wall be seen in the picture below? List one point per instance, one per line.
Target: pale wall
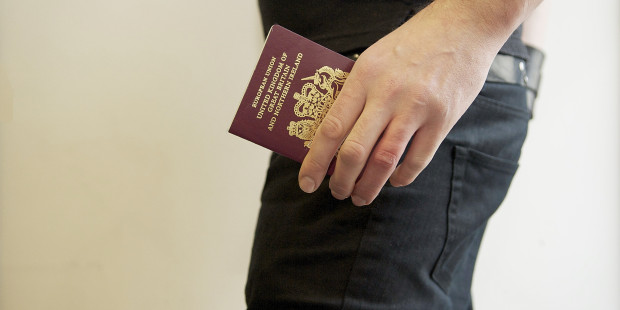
(120, 188)
(555, 243)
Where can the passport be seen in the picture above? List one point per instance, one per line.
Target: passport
(294, 84)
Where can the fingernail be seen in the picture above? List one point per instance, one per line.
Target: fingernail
(394, 184)
(307, 184)
(338, 196)
(358, 201)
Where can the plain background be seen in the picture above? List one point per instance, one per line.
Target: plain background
(120, 187)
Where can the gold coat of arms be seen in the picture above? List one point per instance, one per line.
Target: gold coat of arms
(314, 100)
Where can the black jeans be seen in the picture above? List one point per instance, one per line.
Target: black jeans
(413, 247)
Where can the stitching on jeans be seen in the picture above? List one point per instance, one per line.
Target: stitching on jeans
(482, 101)
(355, 261)
(459, 161)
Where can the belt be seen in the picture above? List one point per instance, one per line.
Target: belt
(513, 70)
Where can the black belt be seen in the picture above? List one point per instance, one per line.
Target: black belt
(512, 70)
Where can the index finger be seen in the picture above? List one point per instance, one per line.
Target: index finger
(331, 132)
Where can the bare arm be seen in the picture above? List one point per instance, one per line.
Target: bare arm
(415, 82)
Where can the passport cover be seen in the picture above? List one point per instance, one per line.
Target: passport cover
(292, 88)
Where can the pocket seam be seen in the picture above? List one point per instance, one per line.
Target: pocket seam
(441, 273)
(482, 101)
(490, 161)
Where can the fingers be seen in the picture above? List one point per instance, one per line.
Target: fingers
(423, 146)
(330, 134)
(370, 130)
(361, 151)
(355, 150)
(382, 162)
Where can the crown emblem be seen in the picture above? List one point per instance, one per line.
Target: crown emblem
(314, 100)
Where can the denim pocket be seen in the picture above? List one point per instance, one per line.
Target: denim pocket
(479, 184)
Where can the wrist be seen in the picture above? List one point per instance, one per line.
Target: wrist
(483, 23)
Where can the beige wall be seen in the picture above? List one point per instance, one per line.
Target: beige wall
(121, 189)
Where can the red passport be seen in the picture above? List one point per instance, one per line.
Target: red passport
(292, 88)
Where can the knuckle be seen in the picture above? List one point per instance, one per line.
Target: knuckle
(352, 152)
(332, 128)
(422, 94)
(434, 106)
(366, 64)
(440, 108)
(385, 159)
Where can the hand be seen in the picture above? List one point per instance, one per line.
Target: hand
(414, 83)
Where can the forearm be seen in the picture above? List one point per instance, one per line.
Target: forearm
(486, 24)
